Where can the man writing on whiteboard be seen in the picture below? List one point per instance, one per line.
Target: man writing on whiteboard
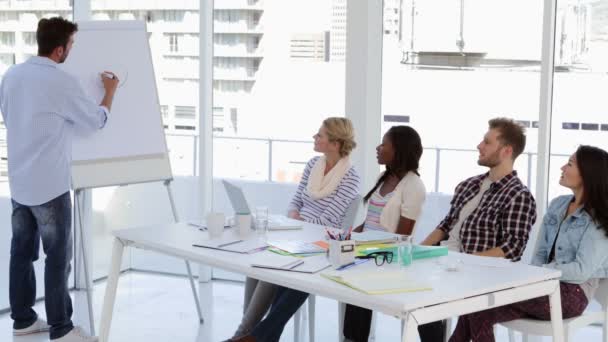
(43, 107)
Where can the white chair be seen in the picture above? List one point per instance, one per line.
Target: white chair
(349, 220)
(543, 328)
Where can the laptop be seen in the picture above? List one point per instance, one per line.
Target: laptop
(240, 206)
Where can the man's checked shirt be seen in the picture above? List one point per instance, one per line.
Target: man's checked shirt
(503, 218)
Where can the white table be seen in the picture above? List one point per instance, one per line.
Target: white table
(472, 289)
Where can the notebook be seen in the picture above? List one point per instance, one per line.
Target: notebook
(286, 263)
(297, 247)
(378, 282)
(373, 237)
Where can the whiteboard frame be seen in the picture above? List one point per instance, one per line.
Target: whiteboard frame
(124, 170)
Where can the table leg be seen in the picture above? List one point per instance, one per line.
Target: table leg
(111, 287)
(205, 332)
(557, 323)
(409, 328)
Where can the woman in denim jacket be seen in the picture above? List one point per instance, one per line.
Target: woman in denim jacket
(573, 239)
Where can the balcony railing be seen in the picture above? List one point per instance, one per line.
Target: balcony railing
(281, 160)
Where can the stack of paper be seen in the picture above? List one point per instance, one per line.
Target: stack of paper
(378, 282)
(297, 247)
(373, 237)
(287, 263)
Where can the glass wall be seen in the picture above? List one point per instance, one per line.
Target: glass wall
(278, 72)
(580, 81)
(450, 66)
(173, 28)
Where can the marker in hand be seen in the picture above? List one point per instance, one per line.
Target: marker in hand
(107, 75)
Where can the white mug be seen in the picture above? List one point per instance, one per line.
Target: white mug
(215, 224)
(243, 222)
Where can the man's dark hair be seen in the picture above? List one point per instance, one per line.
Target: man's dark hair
(52, 33)
(511, 134)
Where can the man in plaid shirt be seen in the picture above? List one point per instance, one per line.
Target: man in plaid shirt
(490, 214)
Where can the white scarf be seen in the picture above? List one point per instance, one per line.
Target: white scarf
(321, 185)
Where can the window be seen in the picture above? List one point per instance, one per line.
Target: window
(449, 82)
(173, 47)
(571, 125)
(579, 103)
(6, 60)
(7, 39)
(185, 127)
(185, 112)
(29, 38)
(272, 102)
(173, 16)
(164, 110)
(590, 127)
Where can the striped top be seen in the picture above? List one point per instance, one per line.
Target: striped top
(330, 210)
(374, 209)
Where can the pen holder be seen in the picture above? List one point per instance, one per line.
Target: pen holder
(341, 252)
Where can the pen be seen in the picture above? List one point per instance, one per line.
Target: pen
(354, 263)
(200, 227)
(230, 243)
(331, 236)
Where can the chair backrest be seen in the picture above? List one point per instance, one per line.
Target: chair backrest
(351, 213)
(601, 295)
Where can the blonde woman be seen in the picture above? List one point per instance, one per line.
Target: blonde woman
(328, 186)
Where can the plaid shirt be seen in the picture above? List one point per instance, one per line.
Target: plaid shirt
(503, 218)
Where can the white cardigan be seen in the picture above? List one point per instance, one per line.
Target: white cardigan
(407, 201)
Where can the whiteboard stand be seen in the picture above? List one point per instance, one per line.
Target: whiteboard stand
(87, 276)
(167, 183)
(78, 193)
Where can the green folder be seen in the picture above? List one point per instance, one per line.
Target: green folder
(423, 252)
(418, 252)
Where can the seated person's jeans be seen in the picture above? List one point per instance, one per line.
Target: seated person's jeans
(357, 325)
(286, 303)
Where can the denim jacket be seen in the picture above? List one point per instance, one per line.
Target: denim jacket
(581, 251)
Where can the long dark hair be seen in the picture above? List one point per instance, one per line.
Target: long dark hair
(592, 163)
(408, 150)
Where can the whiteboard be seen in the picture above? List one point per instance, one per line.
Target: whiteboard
(131, 148)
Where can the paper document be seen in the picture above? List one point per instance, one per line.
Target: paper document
(297, 247)
(280, 222)
(232, 244)
(287, 263)
(378, 282)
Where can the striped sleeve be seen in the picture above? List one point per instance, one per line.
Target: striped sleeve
(296, 201)
(334, 207)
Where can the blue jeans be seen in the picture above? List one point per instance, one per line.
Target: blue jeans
(286, 303)
(52, 223)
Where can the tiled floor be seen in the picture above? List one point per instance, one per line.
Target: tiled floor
(153, 308)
